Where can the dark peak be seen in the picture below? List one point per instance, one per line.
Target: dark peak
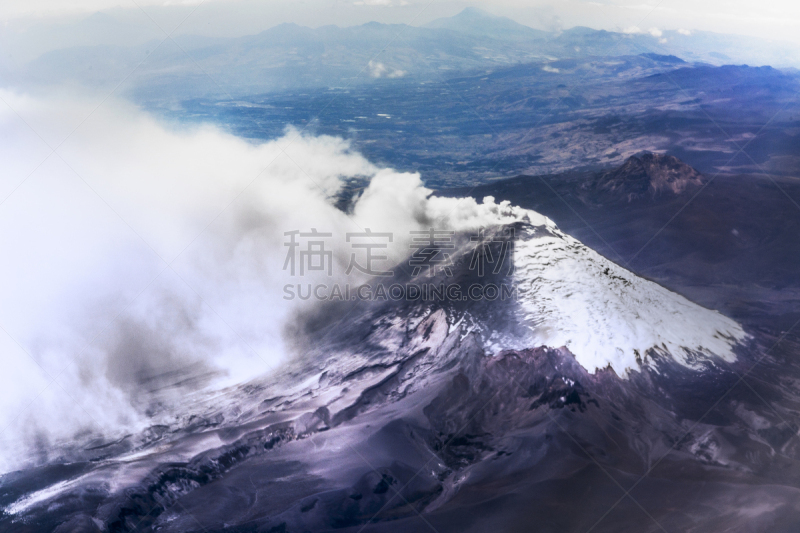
(664, 59)
(655, 164)
(469, 15)
(662, 170)
(648, 175)
(582, 30)
(474, 12)
(476, 22)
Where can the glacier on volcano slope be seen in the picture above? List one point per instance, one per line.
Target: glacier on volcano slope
(604, 314)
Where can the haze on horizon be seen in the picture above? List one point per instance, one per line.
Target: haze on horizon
(29, 28)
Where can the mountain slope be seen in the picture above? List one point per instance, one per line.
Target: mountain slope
(418, 406)
(609, 317)
(401, 411)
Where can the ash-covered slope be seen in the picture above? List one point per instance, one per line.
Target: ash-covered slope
(451, 413)
(417, 423)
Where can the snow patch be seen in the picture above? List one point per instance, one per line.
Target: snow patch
(605, 315)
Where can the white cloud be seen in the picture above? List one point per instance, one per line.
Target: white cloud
(684, 32)
(635, 30)
(88, 238)
(379, 70)
(82, 238)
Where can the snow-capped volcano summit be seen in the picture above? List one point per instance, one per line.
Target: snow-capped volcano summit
(607, 316)
(571, 296)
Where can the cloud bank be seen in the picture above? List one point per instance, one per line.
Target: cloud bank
(143, 260)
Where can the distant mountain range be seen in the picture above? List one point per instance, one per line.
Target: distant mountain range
(289, 56)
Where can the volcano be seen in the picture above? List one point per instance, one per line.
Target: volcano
(592, 395)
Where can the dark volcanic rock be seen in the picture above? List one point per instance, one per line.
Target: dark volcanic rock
(646, 176)
(437, 428)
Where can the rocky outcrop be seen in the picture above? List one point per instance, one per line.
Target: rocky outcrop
(646, 176)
